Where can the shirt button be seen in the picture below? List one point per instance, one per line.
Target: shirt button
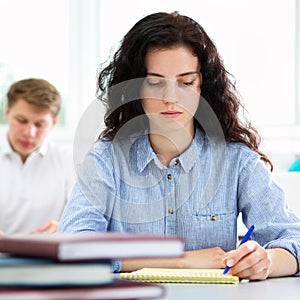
(176, 162)
(170, 211)
(213, 218)
(169, 176)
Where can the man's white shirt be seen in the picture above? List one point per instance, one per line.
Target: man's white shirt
(36, 191)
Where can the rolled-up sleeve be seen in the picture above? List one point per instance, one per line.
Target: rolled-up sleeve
(262, 203)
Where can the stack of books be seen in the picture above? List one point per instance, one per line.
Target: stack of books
(77, 265)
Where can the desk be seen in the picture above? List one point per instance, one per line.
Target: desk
(287, 288)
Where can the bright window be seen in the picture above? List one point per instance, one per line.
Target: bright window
(255, 38)
(34, 43)
(259, 42)
(66, 41)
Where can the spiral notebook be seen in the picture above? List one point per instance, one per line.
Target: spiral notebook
(180, 276)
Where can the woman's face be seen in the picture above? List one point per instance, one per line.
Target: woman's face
(171, 91)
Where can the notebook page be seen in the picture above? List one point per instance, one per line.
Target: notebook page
(180, 276)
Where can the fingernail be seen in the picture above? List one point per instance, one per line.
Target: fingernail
(251, 246)
(229, 262)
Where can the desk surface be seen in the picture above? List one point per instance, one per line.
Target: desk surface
(287, 288)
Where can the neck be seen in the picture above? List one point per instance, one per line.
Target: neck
(170, 145)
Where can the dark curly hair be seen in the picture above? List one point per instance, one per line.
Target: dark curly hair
(120, 94)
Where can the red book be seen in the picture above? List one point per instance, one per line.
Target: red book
(91, 245)
(118, 290)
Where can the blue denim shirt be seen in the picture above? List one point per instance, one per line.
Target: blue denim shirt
(122, 186)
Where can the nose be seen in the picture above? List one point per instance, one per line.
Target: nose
(30, 130)
(170, 93)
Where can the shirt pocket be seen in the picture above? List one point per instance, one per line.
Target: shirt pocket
(208, 230)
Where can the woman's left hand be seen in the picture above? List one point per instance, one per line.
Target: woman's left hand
(249, 261)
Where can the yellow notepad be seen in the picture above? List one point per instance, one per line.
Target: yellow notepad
(180, 276)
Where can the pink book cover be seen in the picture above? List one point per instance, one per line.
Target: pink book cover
(91, 245)
(120, 289)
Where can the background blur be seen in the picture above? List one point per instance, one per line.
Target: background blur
(66, 42)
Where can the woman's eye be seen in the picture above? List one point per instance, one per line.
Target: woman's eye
(187, 83)
(154, 82)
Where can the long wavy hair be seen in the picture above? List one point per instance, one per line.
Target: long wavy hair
(119, 84)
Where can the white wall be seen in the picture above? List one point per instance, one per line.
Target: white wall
(255, 38)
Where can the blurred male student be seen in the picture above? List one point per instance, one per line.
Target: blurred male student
(35, 174)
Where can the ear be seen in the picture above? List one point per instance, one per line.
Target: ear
(6, 112)
(55, 120)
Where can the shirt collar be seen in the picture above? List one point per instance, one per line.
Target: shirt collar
(5, 146)
(43, 148)
(189, 157)
(145, 154)
(6, 149)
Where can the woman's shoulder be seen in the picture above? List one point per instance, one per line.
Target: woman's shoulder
(102, 145)
(239, 148)
(107, 148)
(246, 158)
(101, 148)
(242, 152)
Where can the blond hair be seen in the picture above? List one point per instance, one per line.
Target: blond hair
(37, 92)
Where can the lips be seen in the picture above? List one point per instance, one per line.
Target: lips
(25, 144)
(171, 114)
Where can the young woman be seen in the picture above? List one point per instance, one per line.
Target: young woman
(176, 159)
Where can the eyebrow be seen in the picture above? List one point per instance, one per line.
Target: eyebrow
(179, 75)
(26, 119)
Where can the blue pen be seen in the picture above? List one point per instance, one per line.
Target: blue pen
(244, 240)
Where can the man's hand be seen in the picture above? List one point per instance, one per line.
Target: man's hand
(49, 227)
